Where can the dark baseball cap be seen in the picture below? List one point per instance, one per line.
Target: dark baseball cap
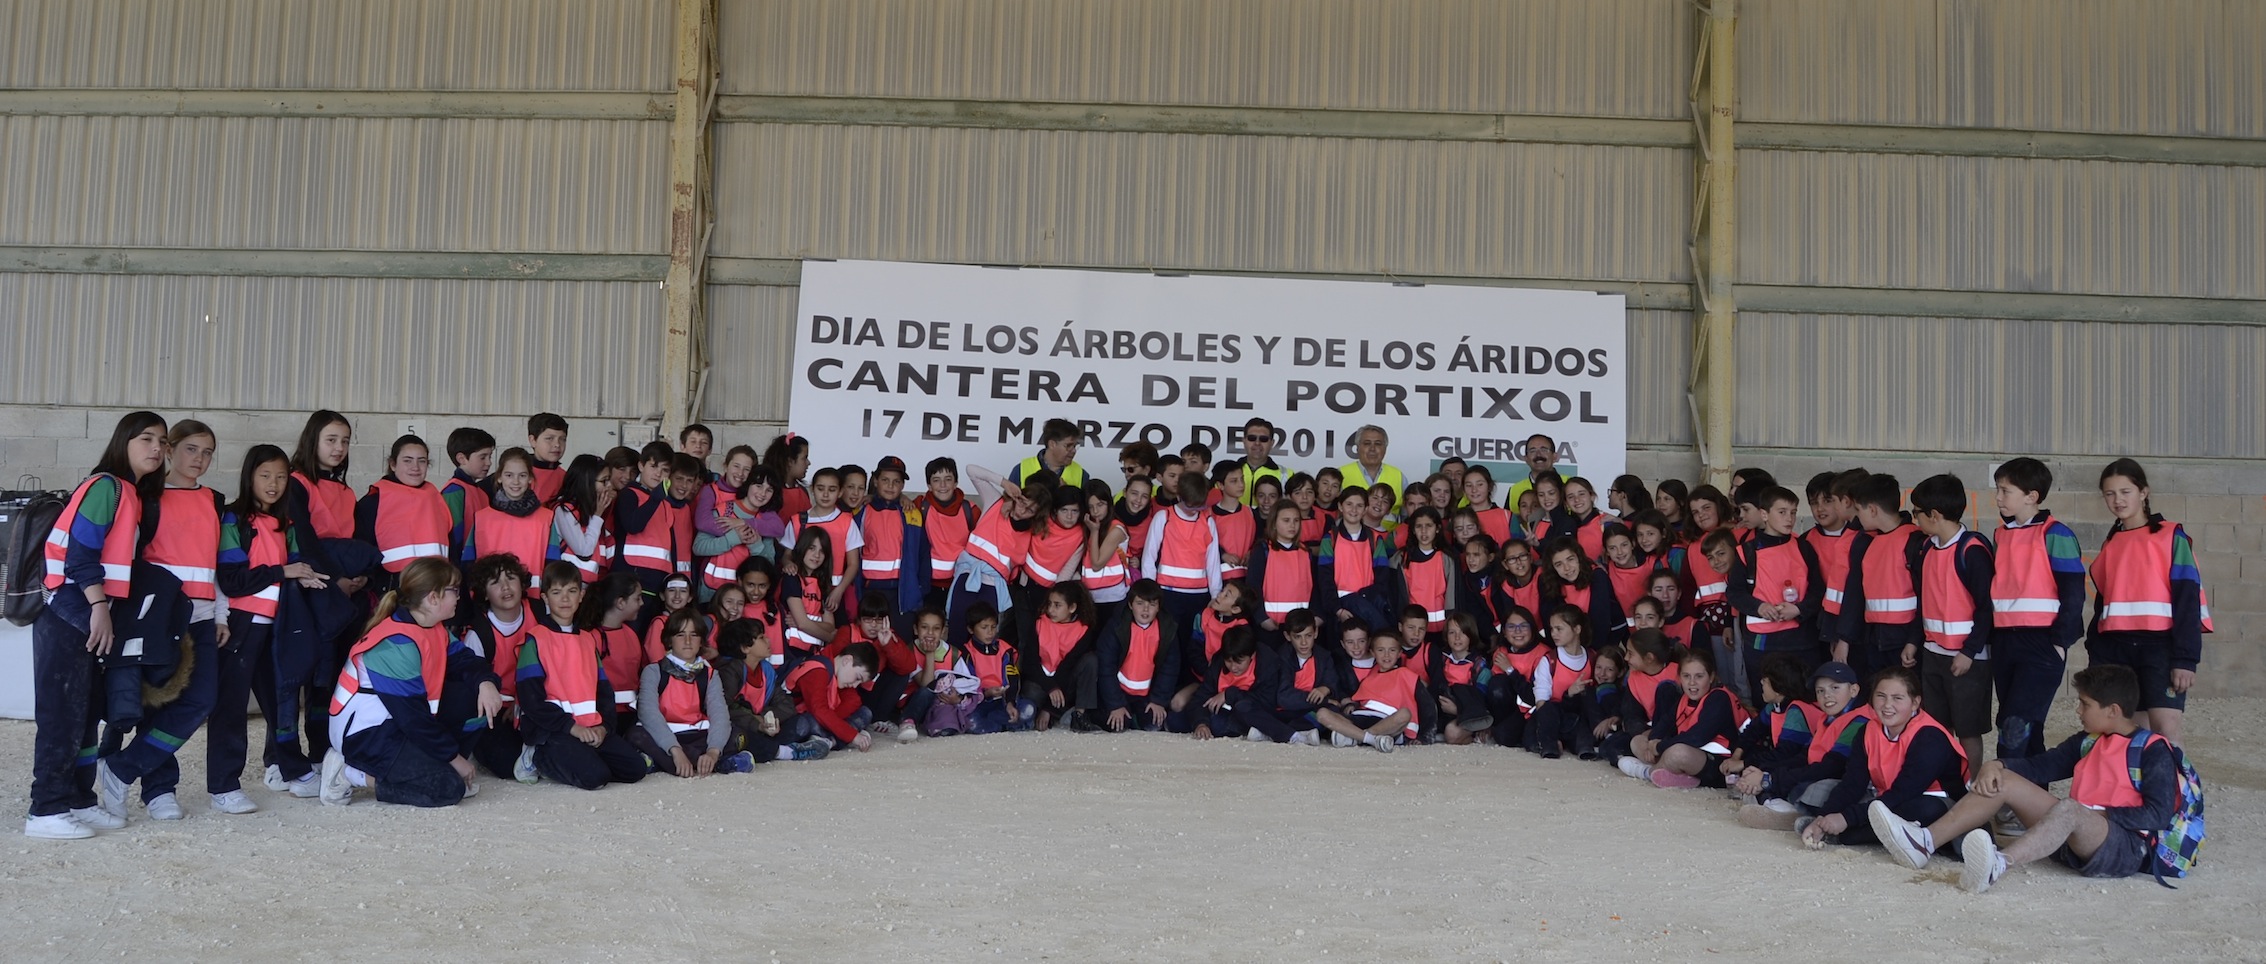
(1837, 672)
(890, 463)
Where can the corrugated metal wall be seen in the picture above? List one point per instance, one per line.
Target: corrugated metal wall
(2188, 67)
(338, 44)
(1301, 204)
(1627, 58)
(751, 333)
(336, 183)
(355, 344)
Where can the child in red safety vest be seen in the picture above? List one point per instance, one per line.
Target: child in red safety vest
(2150, 611)
(897, 694)
(2038, 598)
(1232, 695)
(1427, 569)
(2123, 792)
(1688, 739)
(948, 517)
(847, 542)
(1058, 661)
(497, 632)
(402, 514)
(1517, 652)
(566, 700)
(1787, 787)
(1456, 672)
(1183, 555)
(747, 527)
(1778, 736)
(1569, 579)
(1382, 709)
(1282, 571)
(1954, 585)
(1308, 679)
(645, 523)
(806, 582)
(1137, 658)
(1001, 706)
(1352, 566)
(828, 707)
(684, 725)
(1107, 569)
(472, 457)
(1777, 587)
(1199, 650)
(512, 520)
(1561, 681)
(411, 701)
(259, 563)
(754, 689)
(1880, 603)
(894, 557)
(581, 517)
(1907, 762)
(946, 676)
(1831, 538)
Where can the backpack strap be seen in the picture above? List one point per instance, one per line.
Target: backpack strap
(2132, 751)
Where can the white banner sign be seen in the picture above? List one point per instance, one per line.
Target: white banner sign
(922, 360)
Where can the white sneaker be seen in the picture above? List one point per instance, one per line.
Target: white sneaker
(1306, 738)
(1340, 740)
(1384, 744)
(1984, 863)
(908, 733)
(234, 801)
(1256, 737)
(98, 818)
(1636, 768)
(164, 806)
(336, 792)
(524, 770)
(56, 826)
(307, 787)
(1907, 842)
(471, 789)
(1780, 805)
(274, 779)
(109, 791)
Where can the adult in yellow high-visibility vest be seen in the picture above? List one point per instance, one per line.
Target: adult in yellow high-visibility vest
(1541, 456)
(1058, 454)
(1258, 449)
(1368, 469)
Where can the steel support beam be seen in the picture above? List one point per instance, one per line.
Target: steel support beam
(1715, 240)
(689, 225)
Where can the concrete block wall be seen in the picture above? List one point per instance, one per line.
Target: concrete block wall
(2222, 504)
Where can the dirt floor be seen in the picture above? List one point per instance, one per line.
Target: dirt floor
(1070, 847)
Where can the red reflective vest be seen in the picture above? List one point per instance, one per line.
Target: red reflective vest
(525, 537)
(1807, 710)
(590, 566)
(1829, 733)
(684, 703)
(2133, 574)
(1238, 529)
(412, 523)
(266, 547)
(838, 528)
(883, 531)
(2104, 776)
(1047, 560)
(1528, 597)
(1631, 583)
(1112, 571)
(1646, 687)
(187, 541)
(1353, 563)
(813, 598)
(1495, 523)
(1181, 558)
(998, 544)
(1137, 539)
(1243, 680)
(1214, 630)
(723, 568)
(1680, 630)
(330, 507)
(1522, 662)
(548, 480)
(1386, 693)
(947, 529)
(1947, 611)
(1562, 680)
(1289, 583)
(1688, 714)
(473, 498)
(1832, 550)
(1890, 597)
(1427, 580)
(1884, 754)
(1591, 535)
(1781, 576)
(1708, 583)
(1056, 640)
(992, 668)
(432, 660)
(624, 657)
(570, 670)
(2023, 593)
(118, 545)
(1303, 679)
(505, 659)
(654, 548)
(1138, 672)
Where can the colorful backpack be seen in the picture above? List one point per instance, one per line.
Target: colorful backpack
(2180, 845)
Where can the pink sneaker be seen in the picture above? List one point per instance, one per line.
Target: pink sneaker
(1667, 779)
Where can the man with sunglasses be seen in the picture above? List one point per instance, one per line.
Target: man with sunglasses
(1258, 450)
(1541, 457)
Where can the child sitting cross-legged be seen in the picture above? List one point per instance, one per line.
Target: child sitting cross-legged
(684, 725)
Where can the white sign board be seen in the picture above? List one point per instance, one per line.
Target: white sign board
(922, 360)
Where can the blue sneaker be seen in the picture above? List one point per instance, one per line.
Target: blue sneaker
(741, 762)
(812, 749)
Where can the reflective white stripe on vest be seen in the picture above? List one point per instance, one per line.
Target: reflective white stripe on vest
(725, 573)
(984, 548)
(1379, 708)
(57, 537)
(1936, 793)
(1832, 595)
(1132, 685)
(1435, 615)
(112, 572)
(587, 566)
(941, 567)
(2026, 606)
(1714, 589)
(1716, 747)
(1181, 572)
(271, 594)
(1032, 566)
(1279, 609)
(576, 708)
(2115, 609)
(1757, 622)
(55, 567)
(624, 698)
(1898, 604)
(1948, 627)
(655, 553)
(796, 635)
(688, 727)
(1108, 574)
(880, 567)
(188, 574)
(414, 550)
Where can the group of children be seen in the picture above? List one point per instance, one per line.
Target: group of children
(594, 620)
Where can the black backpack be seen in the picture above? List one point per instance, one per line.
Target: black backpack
(25, 519)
